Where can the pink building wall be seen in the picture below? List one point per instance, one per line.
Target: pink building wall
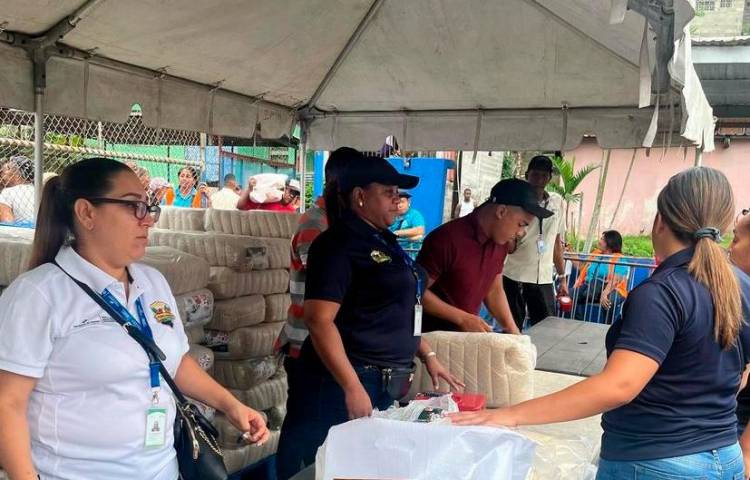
(649, 175)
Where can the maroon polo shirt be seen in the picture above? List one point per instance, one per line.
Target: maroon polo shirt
(463, 261)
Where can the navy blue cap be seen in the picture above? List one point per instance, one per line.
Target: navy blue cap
(518, 193)
(374, 170)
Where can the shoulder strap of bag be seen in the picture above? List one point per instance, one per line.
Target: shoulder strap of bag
(152, 350)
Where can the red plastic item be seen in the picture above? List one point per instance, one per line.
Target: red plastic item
(467, 402)
(566, 303)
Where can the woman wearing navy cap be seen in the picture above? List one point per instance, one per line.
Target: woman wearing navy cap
(363, 310)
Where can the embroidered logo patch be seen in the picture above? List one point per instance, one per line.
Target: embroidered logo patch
(162, 313)
(379, 257)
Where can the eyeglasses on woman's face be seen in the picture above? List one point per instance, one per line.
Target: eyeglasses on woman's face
(140, 208)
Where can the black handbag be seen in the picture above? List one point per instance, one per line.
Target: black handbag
(198, 453)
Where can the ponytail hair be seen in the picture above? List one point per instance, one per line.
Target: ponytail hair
(698, 205)
(55, 225)
(336, 202)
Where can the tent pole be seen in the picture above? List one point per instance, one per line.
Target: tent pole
(38, 145)
(698, 156)
(303, 165)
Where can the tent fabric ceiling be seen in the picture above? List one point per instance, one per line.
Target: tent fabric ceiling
(435, 73)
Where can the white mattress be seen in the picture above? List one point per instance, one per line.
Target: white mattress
(252, 223)
(204, 356)
(245, 374)
(238, 252)
(15, 252)
(238, 312)
(226, 283)
(184, 272)
(277, 307)
(266, 395)
(239, 458)
(251, 342)
(494, 364)
(195, 308)
(176, 218)
(196, 334)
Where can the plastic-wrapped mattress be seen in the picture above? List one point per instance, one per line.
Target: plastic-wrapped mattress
(249, 342)
(277, 307)
(267, 395)
(235, 251)
(176, 218)
(15, 252)
(195, 308)
(184, 272)
(253, 223)
(238, 312)
(238, 458)
(499, 366)
(246, 374)
(226, 283)
(204, 356)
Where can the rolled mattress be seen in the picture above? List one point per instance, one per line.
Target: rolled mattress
(195, 308)
(238, 458)
(238, 312)
(226, 283)
(499, 366)
(184, 272)
(277, 307)
(246, 374)
(176, 218)
(15, 252)
(253, 223)
(204, 356)
(250, 342)
(238, 252)
(266, 395)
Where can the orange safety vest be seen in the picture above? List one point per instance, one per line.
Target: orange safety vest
(621, 287)
(196, 203)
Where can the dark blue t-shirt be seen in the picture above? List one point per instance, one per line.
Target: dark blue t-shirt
(688, 406)
(366, 272)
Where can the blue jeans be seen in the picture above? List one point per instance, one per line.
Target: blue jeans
(316, 403)
(723, 464)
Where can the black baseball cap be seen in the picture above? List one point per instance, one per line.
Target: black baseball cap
(374, 169)
(518, 193)
(542, 163)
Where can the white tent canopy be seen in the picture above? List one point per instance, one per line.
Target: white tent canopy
(437, 74)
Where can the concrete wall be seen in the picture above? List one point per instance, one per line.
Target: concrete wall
(720, 22)
(650, 174)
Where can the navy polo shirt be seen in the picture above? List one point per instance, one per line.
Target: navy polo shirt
(688, 406)
(365, 271)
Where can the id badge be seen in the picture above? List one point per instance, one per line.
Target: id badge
(540, 247)
(418, 320)
(156, 427)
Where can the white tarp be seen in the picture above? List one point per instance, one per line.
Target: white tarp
(458, 74)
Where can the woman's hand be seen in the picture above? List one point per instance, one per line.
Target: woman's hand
(249, 421)
(604, 301)
(438, 371)
(501, 417)
(358, 403)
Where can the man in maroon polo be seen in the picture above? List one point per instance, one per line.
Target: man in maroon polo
(464, 259)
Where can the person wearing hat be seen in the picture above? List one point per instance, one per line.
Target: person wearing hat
(363, 310)
(409, 225)
(464, 259)
(289, 199)
(528, 273)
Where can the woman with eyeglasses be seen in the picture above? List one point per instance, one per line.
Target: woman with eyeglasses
(77, 396)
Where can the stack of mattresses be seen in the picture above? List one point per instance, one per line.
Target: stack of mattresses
(15, 252)
(248, 253)
(188, 276)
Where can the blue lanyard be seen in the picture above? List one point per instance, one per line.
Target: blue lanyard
(141, 324)
(408, 261)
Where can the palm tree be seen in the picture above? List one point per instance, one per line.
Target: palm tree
(570, 180)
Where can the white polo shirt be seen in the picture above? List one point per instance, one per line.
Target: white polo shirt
(87, 413)
(526, 264)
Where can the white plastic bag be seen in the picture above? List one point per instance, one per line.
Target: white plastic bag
(269, 187)
(378, 449)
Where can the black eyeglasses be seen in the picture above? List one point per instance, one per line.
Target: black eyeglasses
(140, 208)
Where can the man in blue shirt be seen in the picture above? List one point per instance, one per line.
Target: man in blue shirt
(409, 226)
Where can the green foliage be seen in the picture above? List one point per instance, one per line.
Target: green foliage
(508, 167)
(641, 246)
(570, 179)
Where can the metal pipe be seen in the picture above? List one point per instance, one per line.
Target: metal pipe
(38, 145)
(303, 164)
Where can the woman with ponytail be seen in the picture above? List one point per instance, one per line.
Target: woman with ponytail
(77, 393)
(675, 360)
